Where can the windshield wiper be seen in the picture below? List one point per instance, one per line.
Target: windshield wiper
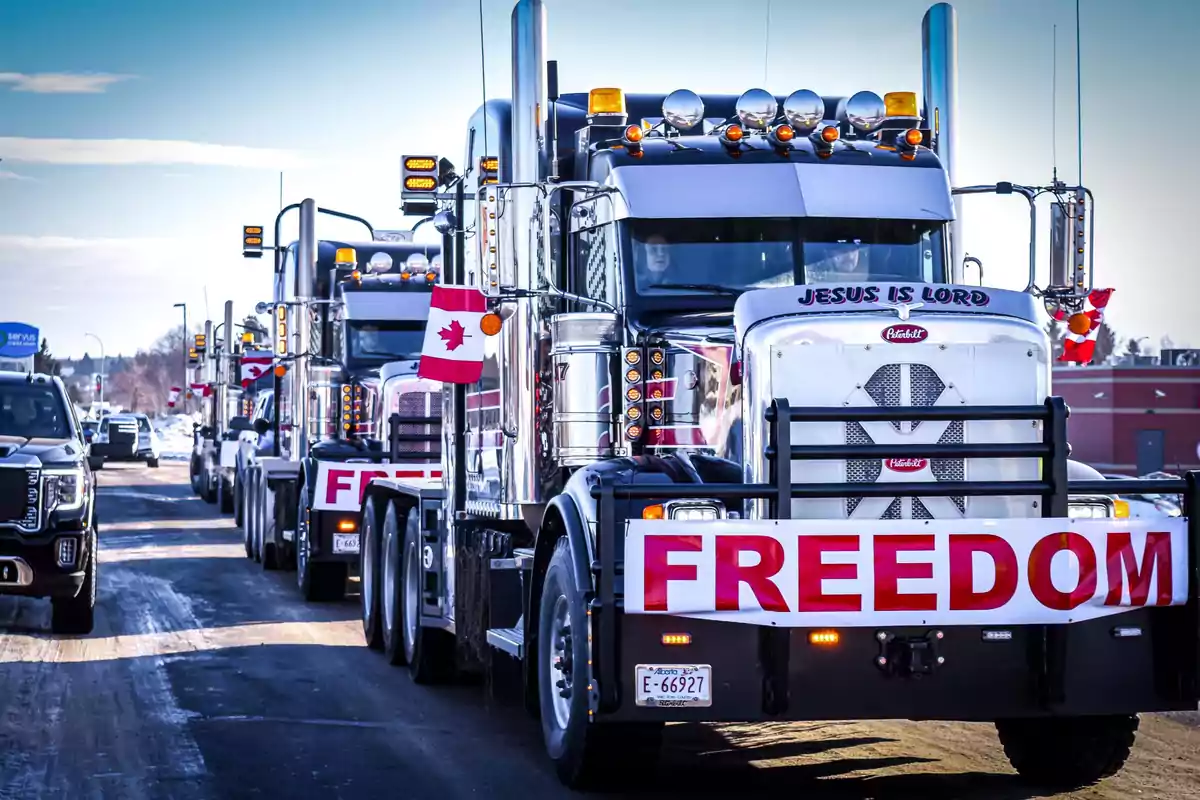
(700, 287)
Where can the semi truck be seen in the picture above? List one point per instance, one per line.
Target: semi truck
(349, 318)
(747, 444)
(215, 436)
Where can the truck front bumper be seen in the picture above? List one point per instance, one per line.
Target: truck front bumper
(1143, 660)
(29, 567)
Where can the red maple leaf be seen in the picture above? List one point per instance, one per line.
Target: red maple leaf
(453, 335)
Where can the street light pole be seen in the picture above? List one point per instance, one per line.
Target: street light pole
(183, 387)
(103, 375)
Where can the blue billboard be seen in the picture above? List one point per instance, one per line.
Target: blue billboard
(18, 340)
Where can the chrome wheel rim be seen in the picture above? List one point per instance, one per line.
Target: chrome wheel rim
(411, 601)
(389, 582)
(561, 662)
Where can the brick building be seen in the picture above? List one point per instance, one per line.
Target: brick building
(1133, 419)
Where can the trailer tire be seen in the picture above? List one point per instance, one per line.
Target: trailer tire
(585, 755)
(368, 571)
(428, 651)
(1067, 753)
(194, 475)
(224, 498)
(239, 501)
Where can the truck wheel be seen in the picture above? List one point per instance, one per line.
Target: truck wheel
(368, 570)
(152, 462)
(224, 497)
(248, 515)
(391, 546)
(584, 754)
(318, 581)
(428, 651)
(194, 476)
(1067, 753)
(239, 502)
(76, 615)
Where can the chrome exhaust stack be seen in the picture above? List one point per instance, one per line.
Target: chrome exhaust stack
(939, 64)
(300, 327)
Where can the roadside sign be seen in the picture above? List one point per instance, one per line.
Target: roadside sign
(18, 340)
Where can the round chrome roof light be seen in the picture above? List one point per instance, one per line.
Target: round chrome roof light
(866, 111)
(757, 108)
(683, 108)
(417, 262)
(435, 264)
(804, 110)
(380, 262)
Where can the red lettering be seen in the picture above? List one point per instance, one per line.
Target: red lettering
(1156, 556)
(963, 548)
(813, 571)
(658, 571)
(730, 574)
(1039, 571)
(889, 571)
(364, 480)
(335, 484)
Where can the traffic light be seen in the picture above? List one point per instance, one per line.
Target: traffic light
(252, 241)
(99, 383)
(201, 341)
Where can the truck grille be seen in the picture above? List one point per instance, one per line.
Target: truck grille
(886, 388)
(418, 404)
(20, 497)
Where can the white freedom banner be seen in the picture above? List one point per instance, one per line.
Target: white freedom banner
(849, 573)
(340, 486)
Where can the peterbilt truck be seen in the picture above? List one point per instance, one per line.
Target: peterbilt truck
(748, 446)
(344, 330)
(215, 436)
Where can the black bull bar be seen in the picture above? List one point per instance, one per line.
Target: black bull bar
(1054, 489)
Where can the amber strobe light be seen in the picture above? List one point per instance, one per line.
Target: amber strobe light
(676, 639)
(826, 638)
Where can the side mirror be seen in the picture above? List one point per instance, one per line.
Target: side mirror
(261, 425)
(240, 424)
(1060, 247)
(444, 222)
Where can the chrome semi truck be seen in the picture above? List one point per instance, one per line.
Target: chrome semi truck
(748, 445)
(348, 317)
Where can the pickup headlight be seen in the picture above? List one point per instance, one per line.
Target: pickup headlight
(64, 488)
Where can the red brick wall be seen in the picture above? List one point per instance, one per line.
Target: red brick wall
(1103, 430)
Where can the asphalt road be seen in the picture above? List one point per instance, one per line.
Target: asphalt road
(208, 678)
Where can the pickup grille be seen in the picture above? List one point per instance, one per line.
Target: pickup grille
(20, 497)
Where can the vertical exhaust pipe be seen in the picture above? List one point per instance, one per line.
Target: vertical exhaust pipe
(300, 327)
(939, 62)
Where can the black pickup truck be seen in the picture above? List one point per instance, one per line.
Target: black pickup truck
(47, 501)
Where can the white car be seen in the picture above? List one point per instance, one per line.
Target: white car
(125, 437)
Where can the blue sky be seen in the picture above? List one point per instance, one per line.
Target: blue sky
(137, 137)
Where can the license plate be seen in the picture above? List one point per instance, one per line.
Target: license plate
(345, 543)
(674, 685)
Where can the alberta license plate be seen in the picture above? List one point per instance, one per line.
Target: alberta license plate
(345, 543)
(674, 685)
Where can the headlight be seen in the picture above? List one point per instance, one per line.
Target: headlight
(1087, 511)
(68, 488)
(694, 510)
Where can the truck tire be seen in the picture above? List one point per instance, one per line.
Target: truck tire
(585, 755)
(368, 571)
(76, 615)
(1067, 753)
(319, 582)
(194, 476)
(248, 512)
(152, 463)
(224, 498)
(428, 651)
(239, 500)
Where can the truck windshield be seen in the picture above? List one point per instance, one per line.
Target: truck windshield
(381, 342)
(33, 411)
(729, 256)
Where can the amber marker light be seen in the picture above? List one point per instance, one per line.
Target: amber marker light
(653, 512)
(830, 134)
(824, 638)
(913, 137)
(676, 639)
(490, 323)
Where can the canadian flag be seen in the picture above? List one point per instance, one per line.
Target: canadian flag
(453, 348)
(173, 396)
(254, 366)
(202, 389)
(1079, 343)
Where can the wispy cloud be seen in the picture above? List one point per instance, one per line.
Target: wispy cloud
(61, 82)
(129, 152)
(5, 175)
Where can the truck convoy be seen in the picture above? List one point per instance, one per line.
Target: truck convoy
(746, 444)
(347, 338)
